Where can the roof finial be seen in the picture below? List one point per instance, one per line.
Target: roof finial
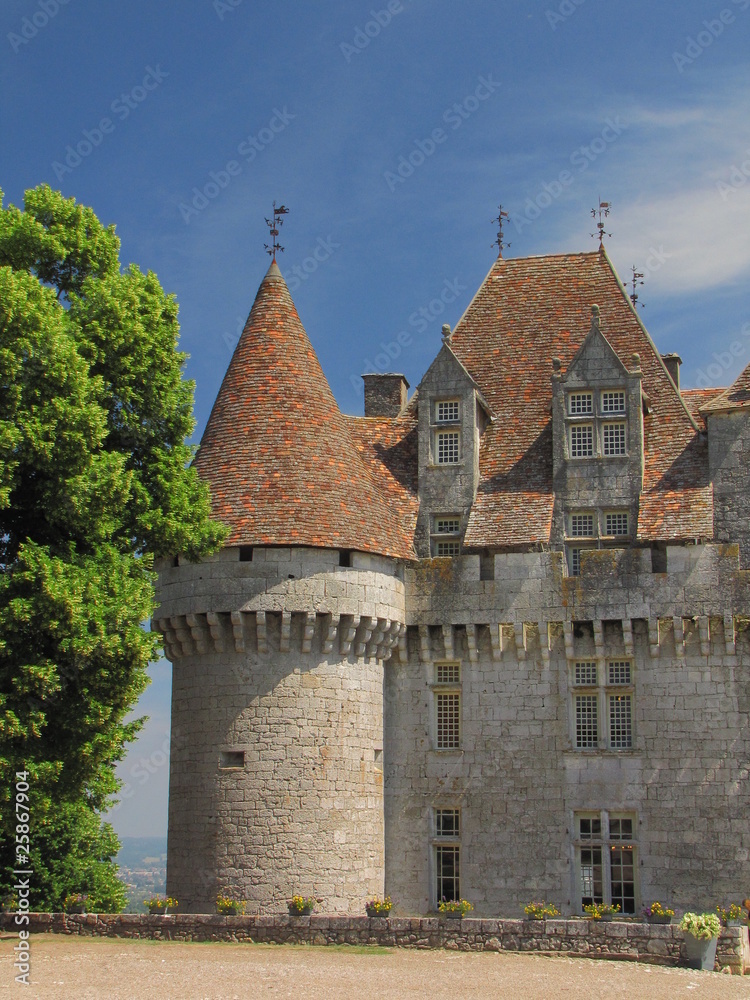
(634, 296)
(274, 227)
(447, 335)
(602, 212)
(499, 242)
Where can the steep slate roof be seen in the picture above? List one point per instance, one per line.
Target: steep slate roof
(526, 312)
(736, 397)
(282, 462)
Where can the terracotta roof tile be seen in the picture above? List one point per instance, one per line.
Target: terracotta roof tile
(279, 457)
(736, 397)
(695, 399)
(526, 312)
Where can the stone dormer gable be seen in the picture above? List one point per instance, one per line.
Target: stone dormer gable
(736, 397)
(452, 416)
(597, 432)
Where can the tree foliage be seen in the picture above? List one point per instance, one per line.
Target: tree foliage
(94, 482)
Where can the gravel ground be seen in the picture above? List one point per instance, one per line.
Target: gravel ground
(113, 969)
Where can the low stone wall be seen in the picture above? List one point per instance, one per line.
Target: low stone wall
(620, 939)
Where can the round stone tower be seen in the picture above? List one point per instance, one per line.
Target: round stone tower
(278, 641)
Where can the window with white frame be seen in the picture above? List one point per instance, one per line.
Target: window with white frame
(580, 403)
(574, 560)
(581, 525)
(602, 705)
(447, 694)
(616, 522)
(447, 411)
(613, 439)
(447, 445)
(446, 848)
(613, 401)
(445, 536)
(605, 850)
(581, 440)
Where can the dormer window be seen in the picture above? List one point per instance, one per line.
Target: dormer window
(581, 440)
(447, 411)
(580, 403)
(613, 401)
(614, 439)
(616, 523)
(447, 447)
(446, 535)
(581, 525)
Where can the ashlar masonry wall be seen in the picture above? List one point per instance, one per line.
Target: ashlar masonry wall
(517, 778)
(276, 782)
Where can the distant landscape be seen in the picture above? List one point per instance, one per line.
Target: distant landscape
(143, 869)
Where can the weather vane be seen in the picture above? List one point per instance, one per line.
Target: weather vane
(274, 226)
(499, 242)
(602, 212)
(634, 296)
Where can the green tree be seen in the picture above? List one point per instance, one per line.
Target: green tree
(95, 480)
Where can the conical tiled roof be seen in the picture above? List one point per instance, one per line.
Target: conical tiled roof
(277, 453)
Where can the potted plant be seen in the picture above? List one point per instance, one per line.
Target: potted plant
(301, 906)
(701, 934)
(9, 902)
(658, 914)
(601, 911)
(229, 907)
(376, 907)
(160, 904)
(75, 902)
(733, 916)
(455, 908)
(540, 911)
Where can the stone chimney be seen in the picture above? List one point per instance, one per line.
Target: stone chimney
(385, 395)
(672, 363)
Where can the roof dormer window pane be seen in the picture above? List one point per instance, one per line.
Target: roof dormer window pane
(446, 411)
(613, 401)
(580, 403)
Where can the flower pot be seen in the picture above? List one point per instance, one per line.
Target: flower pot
(304, 912)
(376, 913)
(158, 910)
(453, 914)
(739, 922)
(700, 952)
(78, 908)
(656, 919)
(606, 918)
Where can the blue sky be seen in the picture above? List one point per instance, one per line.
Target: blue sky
(392, 130)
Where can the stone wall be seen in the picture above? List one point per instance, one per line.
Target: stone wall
(517, 778)
(276, 783)
(729, 462)
(659, 945)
